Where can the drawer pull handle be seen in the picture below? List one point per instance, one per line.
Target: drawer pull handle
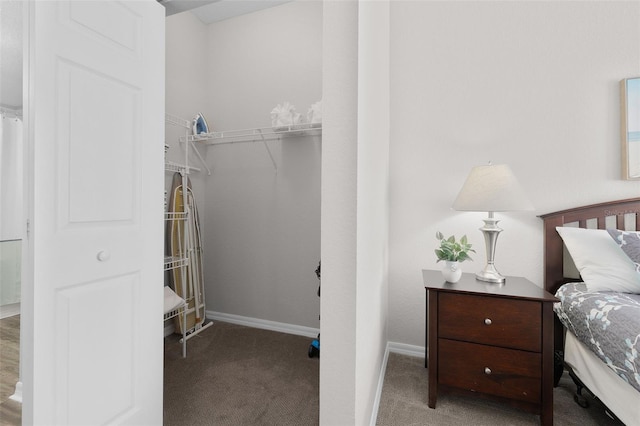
(487, 371)
(487, 321)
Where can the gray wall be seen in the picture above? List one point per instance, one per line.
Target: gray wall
(185, 93)
(261, 227)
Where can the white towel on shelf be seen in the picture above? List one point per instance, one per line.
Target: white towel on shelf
(285, 115)
(314, 115)
(171, 300)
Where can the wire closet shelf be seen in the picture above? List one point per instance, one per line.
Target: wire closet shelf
(254, 135)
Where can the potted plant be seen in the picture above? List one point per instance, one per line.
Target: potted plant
(453, 252)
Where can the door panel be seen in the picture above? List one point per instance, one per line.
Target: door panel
(99, 18)
(96, 120)
(76, 306)
(93, 146)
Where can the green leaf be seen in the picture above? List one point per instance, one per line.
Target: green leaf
(453, 250)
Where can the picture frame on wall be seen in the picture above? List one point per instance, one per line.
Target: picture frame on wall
(630, 127)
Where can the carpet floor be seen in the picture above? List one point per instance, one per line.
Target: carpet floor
(404, 402)
(235, 375)
(247, 376)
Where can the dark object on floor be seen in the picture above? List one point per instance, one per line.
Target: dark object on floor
(558, 367)
(582, 400)
(314, 347)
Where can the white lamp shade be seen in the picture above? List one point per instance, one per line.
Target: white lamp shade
(492, 188)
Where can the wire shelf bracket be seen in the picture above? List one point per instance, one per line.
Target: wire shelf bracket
(185, 168)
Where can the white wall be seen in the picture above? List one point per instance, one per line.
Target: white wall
(186, 88)
(10, 268)
(262, 226)
(373, 202)
(11, 54)
(11, 178)
(186, 73)
(530, 84)
(354, 209)
(339, 213)
(262, 59)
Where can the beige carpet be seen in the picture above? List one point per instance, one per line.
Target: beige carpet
(236, 375)
(404, 402)
(245, 376)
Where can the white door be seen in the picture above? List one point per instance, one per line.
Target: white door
(95, 123)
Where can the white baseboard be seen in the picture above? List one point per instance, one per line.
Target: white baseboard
(376, 401)
(9, 310)
(169, 328)
(404, 349)
(17, 395)
(398, 348)
(263, 324)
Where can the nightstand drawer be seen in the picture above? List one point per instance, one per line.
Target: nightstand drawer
(490, 320)
(501, 372)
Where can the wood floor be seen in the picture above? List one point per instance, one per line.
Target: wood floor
(10, 411)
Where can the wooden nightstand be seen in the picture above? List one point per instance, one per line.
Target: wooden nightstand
(491, 340)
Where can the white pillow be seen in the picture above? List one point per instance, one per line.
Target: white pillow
(602, 264)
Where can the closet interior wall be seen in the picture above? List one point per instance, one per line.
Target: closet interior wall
(185, 92)
(261, 224)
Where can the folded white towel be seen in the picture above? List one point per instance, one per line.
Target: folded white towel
(171, 300)
(285, 115)
(314, 115)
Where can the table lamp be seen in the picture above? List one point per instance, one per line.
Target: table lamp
(491, 188)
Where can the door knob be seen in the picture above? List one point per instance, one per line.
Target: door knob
(103, 255)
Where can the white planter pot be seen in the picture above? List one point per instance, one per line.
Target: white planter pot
(452, 271)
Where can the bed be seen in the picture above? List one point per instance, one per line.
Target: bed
(599, 297)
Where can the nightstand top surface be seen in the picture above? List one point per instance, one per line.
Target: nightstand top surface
(517, 287)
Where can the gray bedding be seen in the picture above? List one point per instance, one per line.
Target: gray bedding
(607, 323)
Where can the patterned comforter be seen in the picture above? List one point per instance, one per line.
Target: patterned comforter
(608, 323)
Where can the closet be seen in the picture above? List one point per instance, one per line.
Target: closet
(259, 200)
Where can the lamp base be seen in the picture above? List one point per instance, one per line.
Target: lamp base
(490, 230)
(491, 275)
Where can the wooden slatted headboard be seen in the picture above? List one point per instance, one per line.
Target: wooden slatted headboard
(622, 214)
